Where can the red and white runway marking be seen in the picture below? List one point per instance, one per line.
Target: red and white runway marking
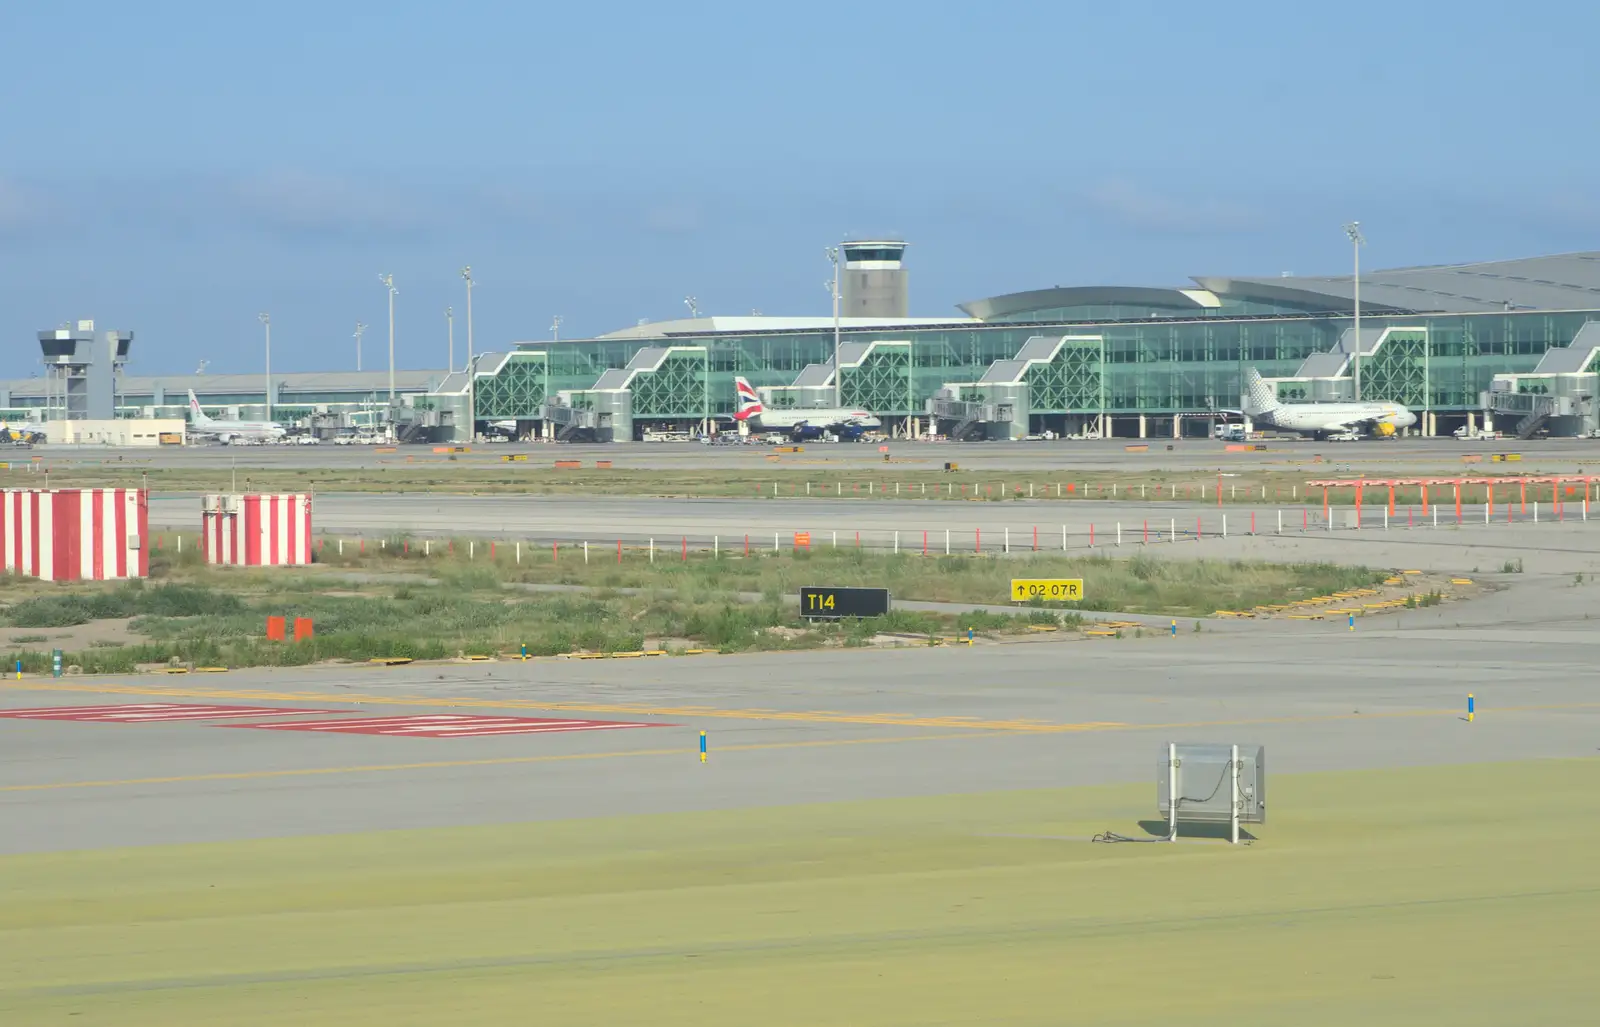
(149, 712)
(446, 725)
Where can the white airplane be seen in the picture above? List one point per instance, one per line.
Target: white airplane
(800, 424)
(1261, 406)
(228, 431)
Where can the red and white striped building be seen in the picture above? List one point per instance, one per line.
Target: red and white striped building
(257, 530)
(75, 534)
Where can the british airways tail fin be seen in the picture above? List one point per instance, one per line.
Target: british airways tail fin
(749, 404)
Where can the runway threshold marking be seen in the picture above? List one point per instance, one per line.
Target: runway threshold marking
(151, 713)
(446, 725)
(808, 716)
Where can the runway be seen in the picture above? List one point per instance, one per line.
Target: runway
(793, 728)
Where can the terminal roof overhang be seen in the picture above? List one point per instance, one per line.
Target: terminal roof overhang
(1568, 281)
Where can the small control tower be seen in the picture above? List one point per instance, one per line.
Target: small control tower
(875, 281)
(81, 366)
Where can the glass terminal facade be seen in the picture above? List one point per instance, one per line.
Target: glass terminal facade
(1153, 366)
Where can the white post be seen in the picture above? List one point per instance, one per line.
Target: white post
(1233, 770)
(808, 488)
(774, 542)
(947, 541)
(716, 547)
(1008, 540)
(1536, 511)
(1263, 493)
(838, 488)
(1063, 538)
(1386, 518)
(652, 550)
(1486, 513)
(1141, 490)
(472, 549)
(1172, 791)
(1280, 522)
(1294, 492)
(519, 553)
(1172, 530)
(774, 489)
(180, 545)
(897, 541)
(1119, 533)
(1030, 490)
(585, 551)
(836, 539)
(1436, 515)
(427, 547)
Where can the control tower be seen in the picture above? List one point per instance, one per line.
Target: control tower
(82, 365)
(875, 282)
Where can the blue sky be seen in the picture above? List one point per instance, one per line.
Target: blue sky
(175, 168)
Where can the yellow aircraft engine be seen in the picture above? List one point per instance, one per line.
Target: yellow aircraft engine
(1383, 429)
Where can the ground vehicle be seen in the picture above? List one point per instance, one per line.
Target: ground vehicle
(1231, 432)
(1344, 436)
(1475, 434)
(307, 440)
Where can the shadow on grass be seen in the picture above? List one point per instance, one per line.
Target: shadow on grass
(1218, 832)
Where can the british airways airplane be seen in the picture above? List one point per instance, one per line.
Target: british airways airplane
(802, 423)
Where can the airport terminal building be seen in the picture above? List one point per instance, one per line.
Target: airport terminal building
(1506, 339)
(1514, 340)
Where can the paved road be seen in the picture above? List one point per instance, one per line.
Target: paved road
(804, 727)
(1411, 456)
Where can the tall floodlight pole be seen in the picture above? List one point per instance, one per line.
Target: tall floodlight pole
(466, 273)
(266, 323)
(450, 330)
(1353, 230)
(833, 290)
(361, 330)
(555, 328)
(388, 283)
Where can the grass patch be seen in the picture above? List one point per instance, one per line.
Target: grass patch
(467, 611)
(1137, 584)
(1367, 900)
(131, 599)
